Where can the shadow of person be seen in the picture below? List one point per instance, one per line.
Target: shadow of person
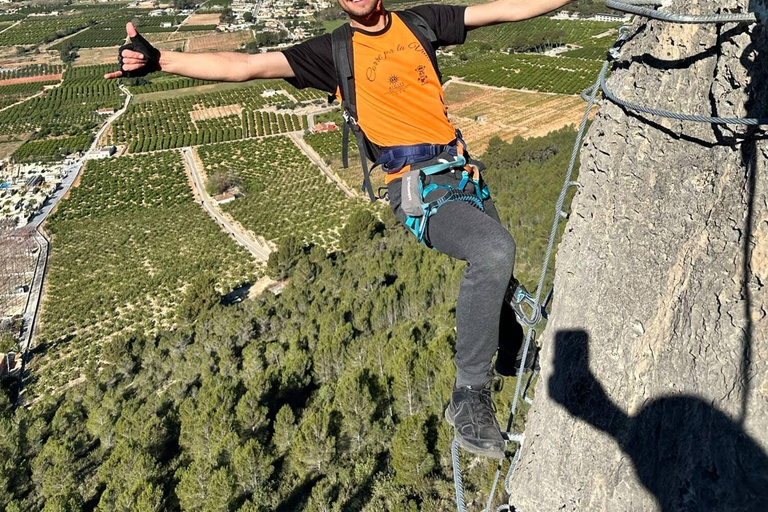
(689, 455)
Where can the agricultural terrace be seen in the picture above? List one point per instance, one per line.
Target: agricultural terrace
(44, 29)
(218, 116)
(560, 56)
(49, 150)
(112, 32)
(34, 70)
(162, 82)
(125, 244)
(529, 72)
(283, 192)
(540, 34)
(10, 94)
(482, 113)
(67, 109)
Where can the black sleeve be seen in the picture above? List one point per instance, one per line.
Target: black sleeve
(312, 63)
(446, 20)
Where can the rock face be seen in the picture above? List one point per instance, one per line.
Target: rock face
(654, 391)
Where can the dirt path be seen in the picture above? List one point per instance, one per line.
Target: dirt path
(315, 158)
(241, 236)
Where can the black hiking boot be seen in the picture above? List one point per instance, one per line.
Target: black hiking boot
(472, 414)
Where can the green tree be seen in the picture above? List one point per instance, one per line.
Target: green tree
(199, 298)
(289, 250)
(411, 459)
(252, 467)
(314, 446)
(7, 343)
(360, 227)
(284, 429)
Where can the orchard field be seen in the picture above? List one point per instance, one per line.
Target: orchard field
(126, 244)
(49, 150)
(217, 116)
(283, 192)
(67, 109)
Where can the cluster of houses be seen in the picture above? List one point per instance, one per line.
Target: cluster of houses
(24, 188)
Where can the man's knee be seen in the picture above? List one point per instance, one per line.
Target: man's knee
(499, 256)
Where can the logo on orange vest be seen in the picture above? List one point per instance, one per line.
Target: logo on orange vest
(395, 85)
(422, 70)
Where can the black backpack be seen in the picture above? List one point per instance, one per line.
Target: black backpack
(342, 59)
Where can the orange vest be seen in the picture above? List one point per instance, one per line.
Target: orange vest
(399, 98)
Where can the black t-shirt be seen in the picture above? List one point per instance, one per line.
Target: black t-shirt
(312, 60)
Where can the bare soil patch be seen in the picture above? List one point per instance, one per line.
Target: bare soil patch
(30, 79)
(9, 59)
(8, 147)
(482, 113)
(201, 114)
(203, 19)
(94, 56)
(223, 41)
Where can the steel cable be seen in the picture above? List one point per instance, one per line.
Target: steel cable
(636, 7)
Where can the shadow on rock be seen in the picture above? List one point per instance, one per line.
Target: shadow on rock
(688, 454)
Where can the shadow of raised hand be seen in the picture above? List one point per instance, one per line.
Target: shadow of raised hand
(690, 455)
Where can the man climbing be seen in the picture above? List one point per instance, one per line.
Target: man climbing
(382, 66)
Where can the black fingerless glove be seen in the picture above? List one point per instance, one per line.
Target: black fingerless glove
(141, 45)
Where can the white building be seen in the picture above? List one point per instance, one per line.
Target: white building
(612, 17)
(105, 152)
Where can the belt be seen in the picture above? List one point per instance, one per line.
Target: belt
(394, 158)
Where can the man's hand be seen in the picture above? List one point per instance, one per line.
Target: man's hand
(137, 58)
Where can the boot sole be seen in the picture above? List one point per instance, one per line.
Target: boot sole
(495, 454)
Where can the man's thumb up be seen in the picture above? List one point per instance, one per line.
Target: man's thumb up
(137, 58)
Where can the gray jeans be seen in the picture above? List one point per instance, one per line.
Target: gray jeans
(483, 319)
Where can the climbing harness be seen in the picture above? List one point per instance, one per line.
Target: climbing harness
(419, 209)
(341, 42)
(590, 95)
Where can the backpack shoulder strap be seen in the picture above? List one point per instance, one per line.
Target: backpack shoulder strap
(341, 43)
(424, 33)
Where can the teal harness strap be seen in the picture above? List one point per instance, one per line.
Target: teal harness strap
(418, 225)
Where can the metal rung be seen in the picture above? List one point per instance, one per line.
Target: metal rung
(513, 437)
(563, 214)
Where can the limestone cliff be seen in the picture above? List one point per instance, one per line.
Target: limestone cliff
(654, 390)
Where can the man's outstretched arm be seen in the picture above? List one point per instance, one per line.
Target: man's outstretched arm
(220, 66)
(503, 11)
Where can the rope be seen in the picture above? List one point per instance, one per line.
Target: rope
(635, 7)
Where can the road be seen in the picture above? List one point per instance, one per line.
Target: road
(315, 158)
(36, 289)
(209, 205)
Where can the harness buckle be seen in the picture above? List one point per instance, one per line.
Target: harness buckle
(351, 121)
